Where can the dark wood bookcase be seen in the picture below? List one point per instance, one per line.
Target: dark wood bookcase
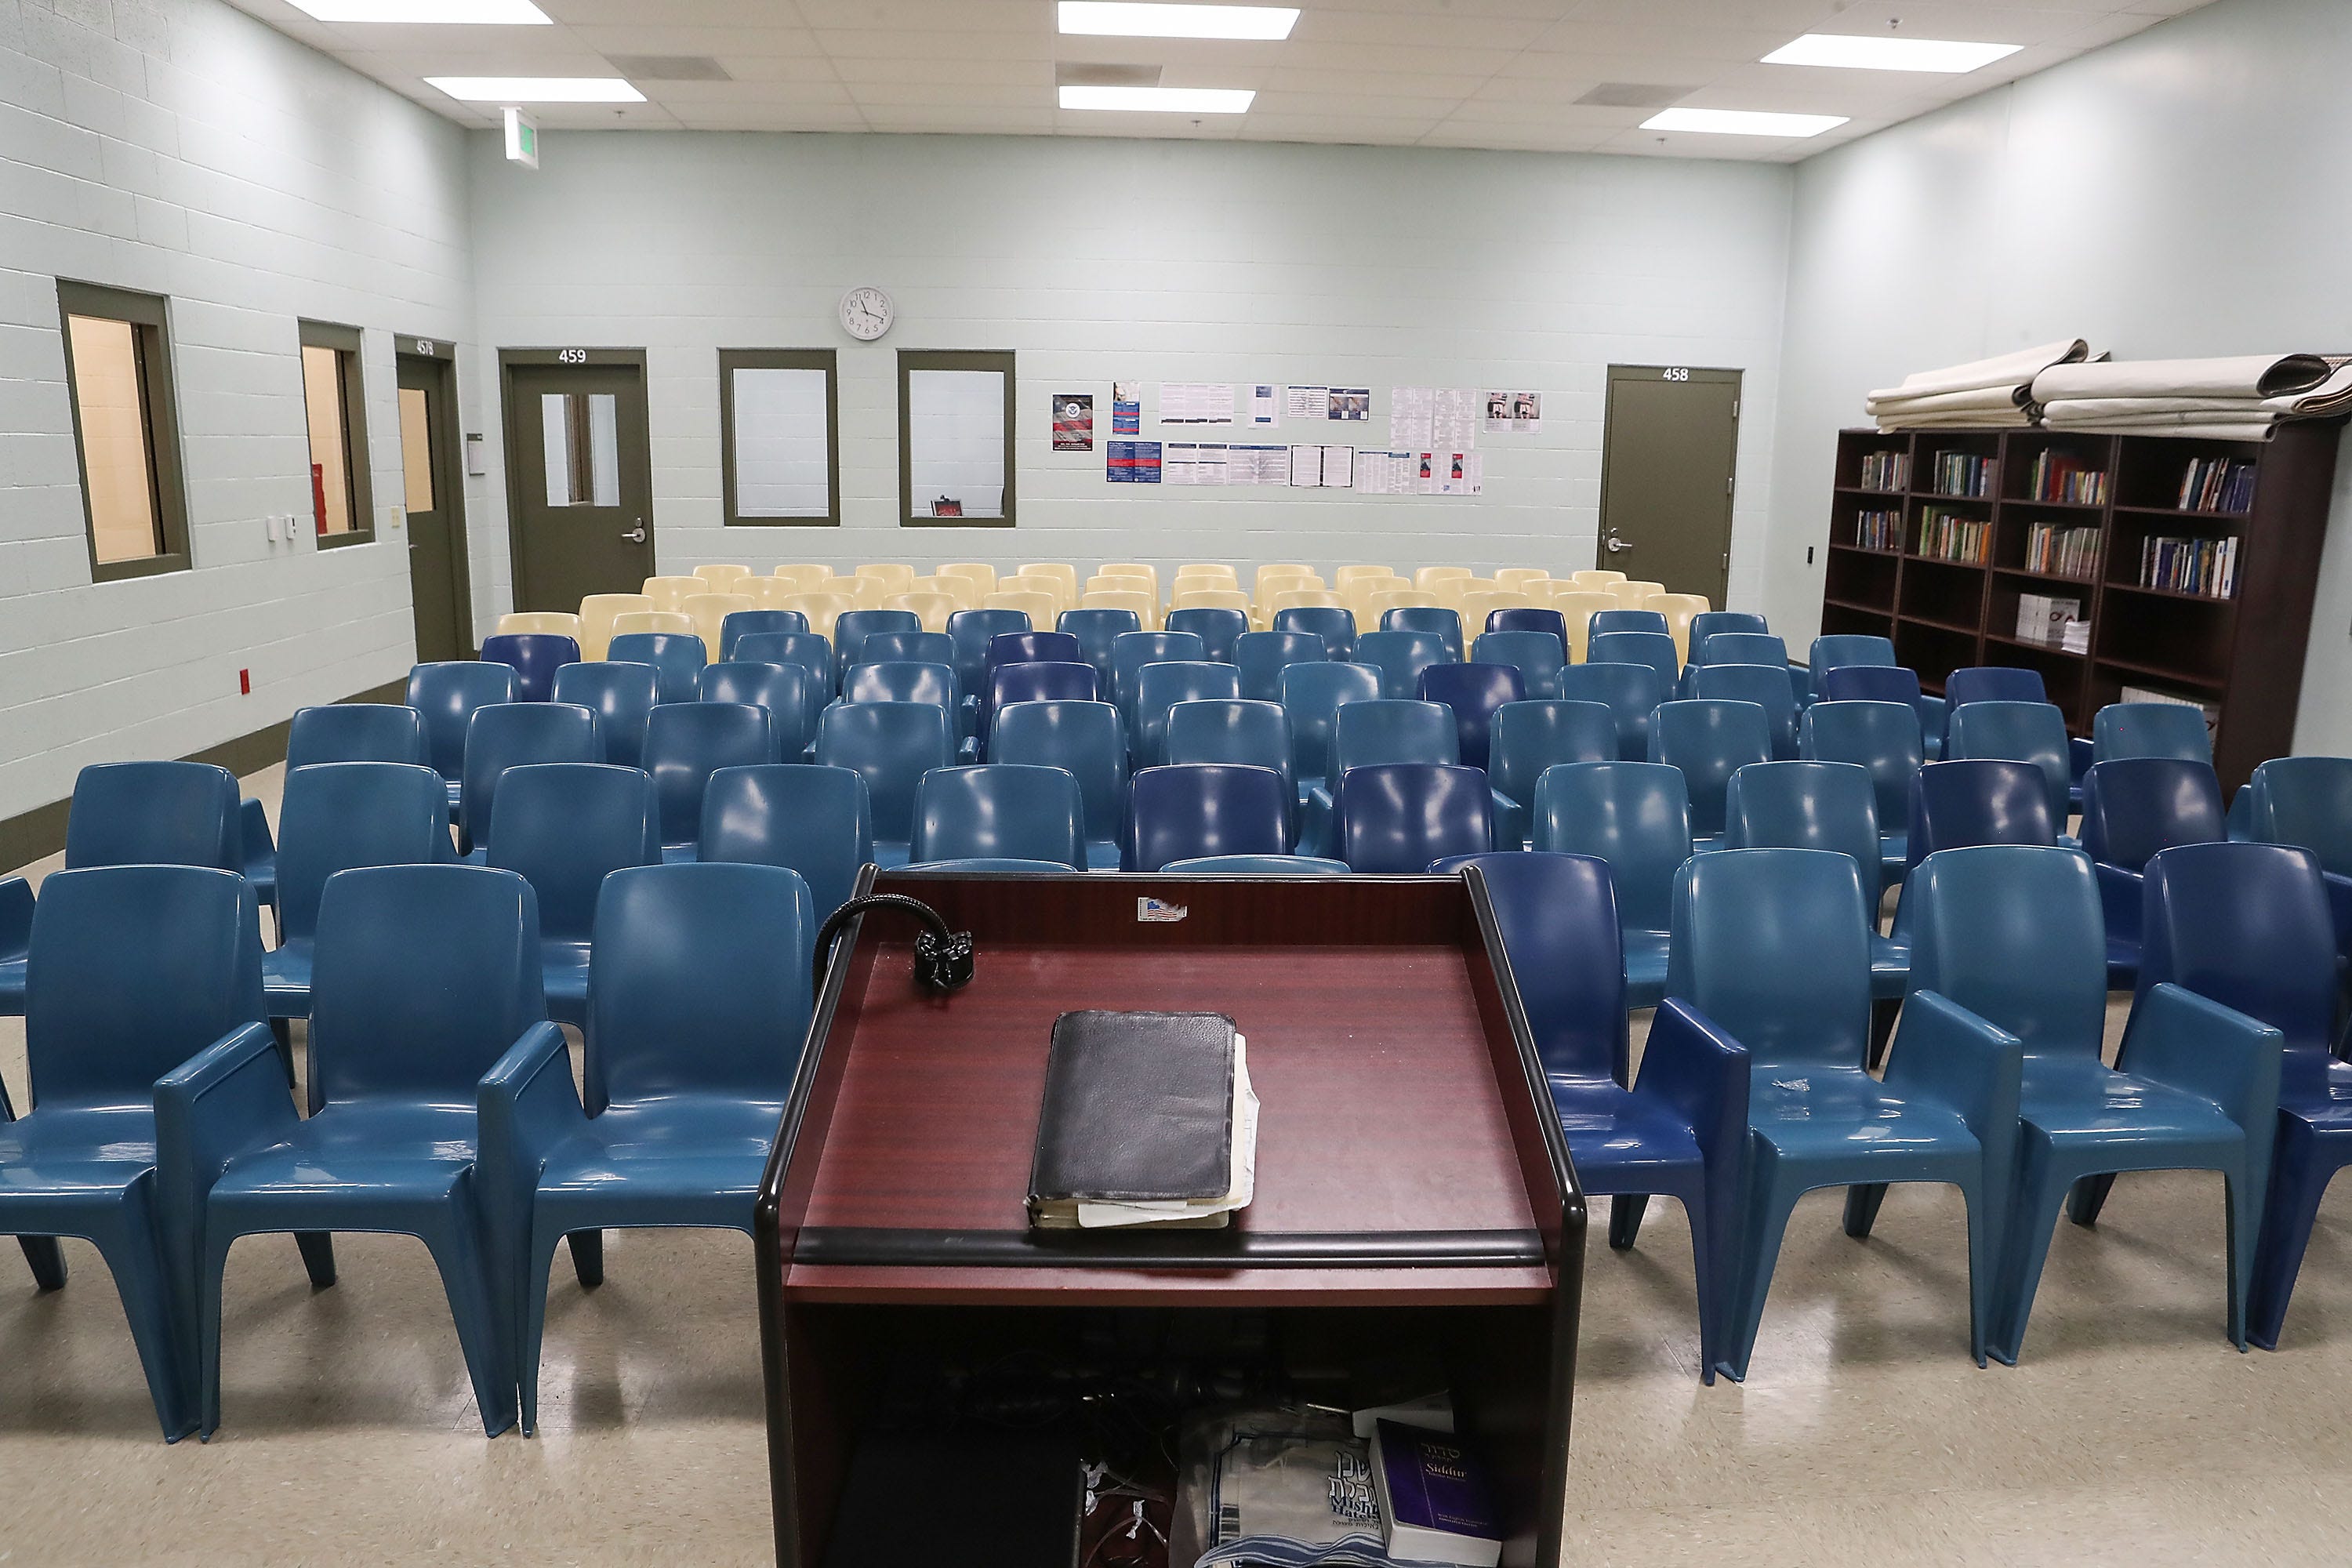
(2241, 655)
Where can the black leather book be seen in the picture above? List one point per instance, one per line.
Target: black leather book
(1138, 1107)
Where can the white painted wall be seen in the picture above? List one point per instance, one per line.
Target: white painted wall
(2179, 193)
(179, 147)
(1150, 261)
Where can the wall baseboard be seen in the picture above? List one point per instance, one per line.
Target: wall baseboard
(34, 835)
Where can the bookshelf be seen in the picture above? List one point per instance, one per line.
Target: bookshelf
(1941, 572)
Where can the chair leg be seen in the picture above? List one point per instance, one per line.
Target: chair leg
(1625, 1211)
(2243, 1194)
(588, 1257)
(1758, 1249)
(46, 1259)
(531, 1315)
(133, 1257)
(1984, 1266)
(2040, 1193)
(2087, 1196)
(1710, 1311)
(283, 1031)
(1861, 1208)
(1884, 1012)
(208, 1332)
(318, 1249)
(2297, 1183)
(457, 1247)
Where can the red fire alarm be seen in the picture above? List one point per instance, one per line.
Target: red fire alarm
(245, 682)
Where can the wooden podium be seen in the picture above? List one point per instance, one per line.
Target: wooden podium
(1412, 1184)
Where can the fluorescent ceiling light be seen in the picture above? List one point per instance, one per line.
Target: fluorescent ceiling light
(1878, 54)
(537, 89)
(507, 13)
(1741, 122)
(1115, 19)
(1160, 100)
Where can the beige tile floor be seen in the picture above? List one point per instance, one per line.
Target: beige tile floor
(2132, 1434)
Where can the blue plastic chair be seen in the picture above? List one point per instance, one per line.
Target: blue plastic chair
(931, 683)
(1765, 685)
(2012, 934)
(1097, 631)
(685, 743)
(16, 940)
(1258, 866)
(1768, 954)
(1088, 741)
(154, 813)
(2121, 730)
(1736, 646)
(1528, 619)
(1710, 740)
(1400, 817)
(700, 1002)
(1401, 657)
(781, 689)
(1822, 805)
(1130, 651)
(1189, 810)
(907, 648)
(568, 826)
(1027, 648)
(2002, 731)
(338, 815)
(1631, 692)
(1994, 683)
(1883, 738)
(1159, 687)
(1364, 733)
(1261, 657)
(810, 819)
(890, 745)
(1473, 691)
(1528, 738)
(811, 651)
(678, 660)
(737, 624)
(1636, 816)
(973, 630)
(356, 733)
(1311, 694)
(621, 696)
(1444, 624)
(1888, 683)
(445, 697)
(535, 657)
(851, 628)
(1680, 1129)
(2133, 809)
(508, 734)
(2247, 926)
(2302, 801)
(1604, 623)
(1217, 628)
(1332, 622)
(1233, 730)
(1719, 623)
(1965, 803)
(1837, 649)
(1043, 681)
(427, 977)
(1656, 649)
(138, 968)
(999, 811)
(1539, 657)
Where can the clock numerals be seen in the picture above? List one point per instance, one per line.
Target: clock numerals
(865, 313)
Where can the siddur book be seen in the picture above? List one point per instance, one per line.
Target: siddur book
(1138, 1112)
(1433, 1497)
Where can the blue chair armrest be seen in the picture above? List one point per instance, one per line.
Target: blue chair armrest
(1695, 1071)
(253, 830)
(2080, 755)
(2340, 904)
(15, 917)
(525, 1106)
(1934, 712)
(2194, 1043)
(1946, 1054)
(2120, 893)
(2242, 814)
(228, 1100)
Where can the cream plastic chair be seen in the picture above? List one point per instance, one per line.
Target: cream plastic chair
(1061, 571)
(982, 575)
(1023, 582)
(820, 609)
(1258, 589)
(672, 621)
(709, 612)
(868, 592)
(1120, 582)
(1427, 578)
(962, 590)
(555, 623)
(1593, 577)
(723, 577)
(1396, 599)
(1189, 582)
(804, 578)
(932, 609)
(1476, 607)
(669, 592)
(1210, 599)
(1678, 609)
(1577, 607)
(1304, 599)
(894, 575)
(1041, 609)
(1520, 579)
(597, 611)
(1147, 613)
(1634, 592)
(1131, 569)
(770, 592)
(1347, 574)
(1216, 569)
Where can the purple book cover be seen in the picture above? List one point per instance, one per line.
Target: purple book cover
(1435, 1483)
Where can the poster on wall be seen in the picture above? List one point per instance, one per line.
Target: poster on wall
(1451, 473)
(1196, 403)
(1262, 404)
(1131, 462)
(1126, 409)
(1257, 464)
(1452, 418)
(1305, 402)
(1352, 404)
(1195, 463)
(1383, 473)
(1519, 411)
(1074, 421)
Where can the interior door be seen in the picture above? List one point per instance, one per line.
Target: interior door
(1668, 464)
(579, 474)
(434, 497)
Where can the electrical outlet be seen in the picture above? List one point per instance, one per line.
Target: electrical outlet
(269, 526)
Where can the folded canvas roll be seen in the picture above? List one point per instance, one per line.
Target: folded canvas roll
(2016, 368)
(1999, 399)
(2125, 416)
(2217, 429)
(2090, 410)
(2011, 418)
(2248, 376)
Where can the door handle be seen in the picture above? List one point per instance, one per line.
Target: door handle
(1615, 544)
(637, 534)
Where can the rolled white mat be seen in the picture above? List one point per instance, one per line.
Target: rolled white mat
(2248, 376)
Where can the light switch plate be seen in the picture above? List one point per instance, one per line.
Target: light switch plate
(395, 518)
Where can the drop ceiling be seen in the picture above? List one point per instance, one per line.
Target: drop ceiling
(1542, 75)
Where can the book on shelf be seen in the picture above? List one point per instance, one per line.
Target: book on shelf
(2218, 484)
(1962, 474)
(2075, 636)
(2212, 711)
(1879, 529)
(2062, 550)
(1949, 536)
(2206, 567)
(2056, 477)
(1884, 471)
(1434, 1497)
(2047, 620)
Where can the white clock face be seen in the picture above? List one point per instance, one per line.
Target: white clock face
(865, 313)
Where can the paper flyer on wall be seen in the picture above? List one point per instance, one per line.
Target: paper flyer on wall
(1384, 473)
(1264, 405)
(1305, 402)
(1453, 419)
(1257, 464)
(1409, 417)
(1521, 411)
(1131, 462)
(1322, 468)
(1450, 473)
(1126, 409)
(1352, 404)
(1195, 463)
(1074, 421)
(1196, 403)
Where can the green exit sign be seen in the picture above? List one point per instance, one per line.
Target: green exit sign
(522, 139)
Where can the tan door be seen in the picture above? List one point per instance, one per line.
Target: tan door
(434, 497)
(1667, 464)
(579, 474)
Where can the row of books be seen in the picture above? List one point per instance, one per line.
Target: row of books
(2057, 476)
(1886, 470)
(1879, 529)
(2064, 552)
(1960, 474)
(2207, 566)
(2218, 484)
(1949, 536)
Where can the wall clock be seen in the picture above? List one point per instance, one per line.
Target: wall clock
(866, 313)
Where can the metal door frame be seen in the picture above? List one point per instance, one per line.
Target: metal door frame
(448, 476)
(1731, 491)
(511, 360)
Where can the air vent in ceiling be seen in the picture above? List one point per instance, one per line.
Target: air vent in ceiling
(1634, 95)
(668, 68)
(1067, 73)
